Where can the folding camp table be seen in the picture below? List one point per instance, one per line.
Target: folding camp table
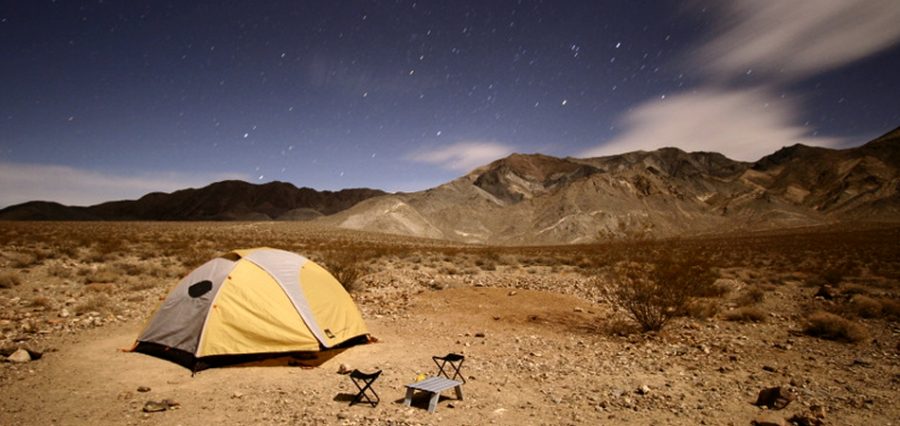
(433, 385)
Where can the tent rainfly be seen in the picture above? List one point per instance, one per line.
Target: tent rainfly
(252, 304)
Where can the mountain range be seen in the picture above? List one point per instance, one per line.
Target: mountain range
(539, 199)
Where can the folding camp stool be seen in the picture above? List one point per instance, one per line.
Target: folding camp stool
(364, 382)
(455, 362)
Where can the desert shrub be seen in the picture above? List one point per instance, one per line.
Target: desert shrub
(448, 270)
(746, 314)
(890, 309)
(702, 308)
(100, 303)
(99, 288)
(833, 327)
(834, 276)
(9, 279)
(101, 275)
(855, 289)
(23, 260)
(865, 306)
(41, 302)
(620, 327)
(347, 268)
(60, 271)
(131, 268)
(751, 296)
(655, 296)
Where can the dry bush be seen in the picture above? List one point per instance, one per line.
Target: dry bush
(890, 308)
(41, 302)
(833, 327)
(23, 260)
(746, 314)
(60, 271)
(99, 288)
(865, 306)
(703, 308)
(101, 275)
(131, 268)
(100, 303)
(347, 268)
(620, 327)
(655, 296)
(9, 279)
(752, 296)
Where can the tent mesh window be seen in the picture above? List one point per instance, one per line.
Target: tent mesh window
(199, 289)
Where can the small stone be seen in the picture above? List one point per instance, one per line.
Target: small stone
(768, 419)
(143, 389)
(769, 368)
(479, 334)
(154, 407)
(344, 369)
(64, 313)
(643, 390)
(19, 356)
(237, 395)
(579, 310)
(342, 416)
(774, 398)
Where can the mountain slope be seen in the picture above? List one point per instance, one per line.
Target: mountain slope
(537, 199)
(227, 200)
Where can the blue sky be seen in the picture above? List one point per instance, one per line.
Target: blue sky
(113, 99)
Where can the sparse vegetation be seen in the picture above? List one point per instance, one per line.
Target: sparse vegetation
(833, 327)
(746, 314)
(347, 268)
(655, 296)
(9, 279)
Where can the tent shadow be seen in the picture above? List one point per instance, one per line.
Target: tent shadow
(297, 359)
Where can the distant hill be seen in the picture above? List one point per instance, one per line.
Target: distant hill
(226, 200)
(537, 199)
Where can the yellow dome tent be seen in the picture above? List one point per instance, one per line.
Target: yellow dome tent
(251, 304)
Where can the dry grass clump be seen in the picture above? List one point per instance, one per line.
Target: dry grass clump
(752, 296)
(865, 306)
(9, 279)
(60, 271)
(746, 314)
(23, 260)
(42, 302)
(833, 327)
(100, 303)
(103, 274)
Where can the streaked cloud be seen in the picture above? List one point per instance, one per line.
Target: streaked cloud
(741, 124)
(462, 156)
(72, 186)
(786, 40)
(776, 42)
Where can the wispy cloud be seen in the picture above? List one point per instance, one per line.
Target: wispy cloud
(777, 42)
(741, 124)
(67, 185)
(786, 40)
(462, 156)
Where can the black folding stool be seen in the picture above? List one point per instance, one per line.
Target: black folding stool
(364, 382)
(455, 361)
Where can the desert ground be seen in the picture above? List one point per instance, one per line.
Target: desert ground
(546, 332)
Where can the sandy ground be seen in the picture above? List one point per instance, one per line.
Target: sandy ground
(541, 360)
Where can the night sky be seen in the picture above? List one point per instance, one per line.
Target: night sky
(113, 99)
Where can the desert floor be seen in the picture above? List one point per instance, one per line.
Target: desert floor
(542, 343)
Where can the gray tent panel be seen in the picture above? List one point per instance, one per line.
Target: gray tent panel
(180, 319)
(284, 267)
